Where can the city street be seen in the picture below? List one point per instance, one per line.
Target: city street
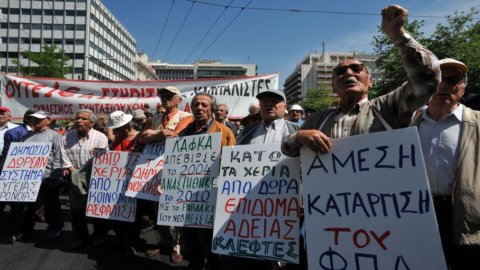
(42, 254)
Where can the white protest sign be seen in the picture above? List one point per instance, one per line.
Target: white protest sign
(368, 205)
(188, 181)
(258, 199)
(146, 178)
(106, 194)
(23, 171)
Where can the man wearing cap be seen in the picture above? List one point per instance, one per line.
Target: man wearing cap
(50, 188)
(5, 117)
(273, 127)
(351, 82)
(78, 147)
(164, 125)
(450, 138)
(296, 114)
(169, 124)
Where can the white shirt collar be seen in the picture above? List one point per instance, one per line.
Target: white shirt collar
(457, 113)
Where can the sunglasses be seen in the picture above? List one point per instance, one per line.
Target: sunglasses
(356, 68)
(167, 96)
(452, 81)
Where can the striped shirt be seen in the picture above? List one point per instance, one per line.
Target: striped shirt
(343, 122)
(272, 133)
(76, 152)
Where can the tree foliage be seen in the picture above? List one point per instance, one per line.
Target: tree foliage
(319, 98)
(49, 62)
(459, 38)
(389, 59)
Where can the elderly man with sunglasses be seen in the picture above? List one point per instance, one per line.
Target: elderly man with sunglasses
(449, 134)
(352, 81)
(164, 125)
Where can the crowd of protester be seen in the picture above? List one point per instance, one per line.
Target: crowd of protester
(449, 134)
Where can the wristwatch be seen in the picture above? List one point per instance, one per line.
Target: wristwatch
(404, 38)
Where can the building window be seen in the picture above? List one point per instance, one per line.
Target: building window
(26, 11)
(37, 12)
(9, 40)
(13, 11)
(12, 69)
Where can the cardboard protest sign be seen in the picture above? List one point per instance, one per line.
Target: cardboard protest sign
(23, 171)
(146, 178)
(188, 181)
(156, 149)
(108, 183)
(368, 205)
(258, 213)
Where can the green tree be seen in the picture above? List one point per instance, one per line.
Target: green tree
(459, 38)
(389, 59)
(49, 62)
(321, 97)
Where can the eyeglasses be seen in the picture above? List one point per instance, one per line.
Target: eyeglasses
(356, 68)
(452, 81)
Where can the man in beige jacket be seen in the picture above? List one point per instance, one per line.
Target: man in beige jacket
(449, 134)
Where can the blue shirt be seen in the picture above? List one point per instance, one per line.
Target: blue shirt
(14, 135)
(3, 130)
(440, 145)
